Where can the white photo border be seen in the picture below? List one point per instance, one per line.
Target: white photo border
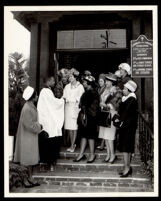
(154, 9)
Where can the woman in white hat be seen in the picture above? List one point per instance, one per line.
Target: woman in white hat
(128, 125)
(26, 147)
(124, 74)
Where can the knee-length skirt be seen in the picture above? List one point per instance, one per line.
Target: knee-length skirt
(71, 116)
(108, 133)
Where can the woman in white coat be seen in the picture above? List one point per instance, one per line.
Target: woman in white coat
(72, 94)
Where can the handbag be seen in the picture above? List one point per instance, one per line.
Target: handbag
(104, 118)
(116, 121)
(82, 118)
(43, 134)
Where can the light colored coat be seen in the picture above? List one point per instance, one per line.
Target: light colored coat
(26, 149)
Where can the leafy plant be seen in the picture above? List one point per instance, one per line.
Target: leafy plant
(18, 80)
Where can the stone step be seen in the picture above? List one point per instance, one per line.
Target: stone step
(90, 179)
(87, 191)
(87, 151)
(99, 154)
(97, 165)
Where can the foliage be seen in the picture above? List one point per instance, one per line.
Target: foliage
(17, 175)
(18, 80)
(18, 77)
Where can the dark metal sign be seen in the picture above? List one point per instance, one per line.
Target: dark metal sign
(142, 57)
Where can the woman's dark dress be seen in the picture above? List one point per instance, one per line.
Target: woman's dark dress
(128, 115)
(90, 102)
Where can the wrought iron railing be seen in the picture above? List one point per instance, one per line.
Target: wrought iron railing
(146, 145)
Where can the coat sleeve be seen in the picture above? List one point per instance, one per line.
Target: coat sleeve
(80, 92)
(129, 111)
(29, 124)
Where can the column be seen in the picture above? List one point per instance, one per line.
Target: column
(33, 55)
(44, 52)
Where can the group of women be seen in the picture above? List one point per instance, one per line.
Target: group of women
(114, 97)
(80, 106)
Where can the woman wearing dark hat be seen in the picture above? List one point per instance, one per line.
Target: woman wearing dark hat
(26, 148)
(72, 94)
(108, 133)
(128, 125)
(89, 105)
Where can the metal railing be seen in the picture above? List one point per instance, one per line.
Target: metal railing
(146, 145)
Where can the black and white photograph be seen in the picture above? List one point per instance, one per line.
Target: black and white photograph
(81, 101)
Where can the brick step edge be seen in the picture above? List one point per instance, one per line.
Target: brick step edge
(95, 167)
(97, 183)
(98, 154)
(91, 190)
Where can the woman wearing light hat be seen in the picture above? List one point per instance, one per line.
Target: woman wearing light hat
(72, 94)
(124, 74)
(108, 133)
(26, 147)
(128, 125)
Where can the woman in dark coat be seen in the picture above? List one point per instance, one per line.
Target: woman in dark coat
(89, 104)
(128, 125)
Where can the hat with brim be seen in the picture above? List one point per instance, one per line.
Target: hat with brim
(131, 85)
(28, 92)
(111, 77)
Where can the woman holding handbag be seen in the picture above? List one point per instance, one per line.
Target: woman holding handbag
(87, 119)
(127, 123)
(108, 131)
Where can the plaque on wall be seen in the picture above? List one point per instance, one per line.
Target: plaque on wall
(142, 57)
(92, 39)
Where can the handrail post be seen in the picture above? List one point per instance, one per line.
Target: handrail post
(146, 144)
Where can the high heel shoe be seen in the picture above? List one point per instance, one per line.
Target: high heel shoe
(129, 173)
(91, 161)
(77, 160)
(106, 160)
(33, 182)
(111, 162)
(27, 184)
(120, 173)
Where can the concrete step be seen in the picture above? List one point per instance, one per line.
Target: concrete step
(87, 191)
(97, 166)
(99, 155)
(77, 177)
(108, 179)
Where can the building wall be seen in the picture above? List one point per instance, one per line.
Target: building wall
(43, 48)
